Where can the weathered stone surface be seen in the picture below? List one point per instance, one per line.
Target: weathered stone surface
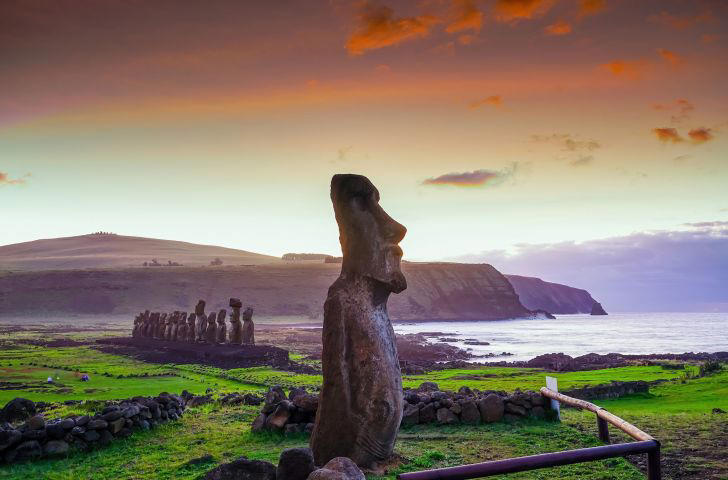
(55, 447)
(411, 415)
(116, 426)
(17, 409)
(295, 464)
(515, 409)
(91, 435)
(307, 402)
(428, 413)
(82, 420)
(35, 434)
(97, 424)
(25, 451)
(221, 336)
(278, 419)
(8, 438)
(248, 332)
(469, 412)
(36, 422)
(243, 469)
(360, 407)
(236, 326)
(68, 423)
(445, 416)
(112, 415)
(55, 431)
(491, 408)
(428, 387)
(339, 468)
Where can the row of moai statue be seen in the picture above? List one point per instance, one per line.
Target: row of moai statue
(198, 326)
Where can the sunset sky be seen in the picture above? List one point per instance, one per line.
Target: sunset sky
(485, 124)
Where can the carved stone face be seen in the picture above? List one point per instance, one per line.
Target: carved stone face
(369, 237)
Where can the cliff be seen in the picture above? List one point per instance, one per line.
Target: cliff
(437, 291)
(535, 293)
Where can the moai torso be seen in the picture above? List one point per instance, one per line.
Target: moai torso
(159, 332)
(221, 328)
(168, 327)
(137, 322)
(201, 320)
(248, 333)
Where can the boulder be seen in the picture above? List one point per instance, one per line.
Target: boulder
(82, 421)
(295, 464)
(259, 423)
(91, 435)
(55, 447)
(116, 426)
(105, 437)
(97, 424)
(25, 451)
(339, 468)
(469, 412)
(36, 422)
(307, 402)
(428, 387)
(515, 409)
(411, 415)
(278, 419)
(428, 413)
(491, 408)
(39, 435)
(112, 415)
(55, 431)
(17, 409)
(8, 438)
(68, 423)
(243, 469)
(445, 416)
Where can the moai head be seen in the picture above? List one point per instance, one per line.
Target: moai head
(191, 320)
(369, 237)
(248, 314)
(200, 308)
(235, 303)
(211, 318)
(221, 316)
(183, 317)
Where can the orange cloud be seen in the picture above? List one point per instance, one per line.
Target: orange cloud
(379, 28)
(681, 21)
(467, 17)
(590, 7)
(493, 100)
(466, 39)
(709, 38)
(6, 180)
(559, 28)
(667, 135)
(700, 135)
(514, 10)
(626, 68)
(683, 107)
(671, 57)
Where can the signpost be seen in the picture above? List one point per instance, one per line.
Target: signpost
(553, 384)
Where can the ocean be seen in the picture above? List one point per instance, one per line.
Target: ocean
(629, 333)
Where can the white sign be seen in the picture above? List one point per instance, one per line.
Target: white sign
(552, 384)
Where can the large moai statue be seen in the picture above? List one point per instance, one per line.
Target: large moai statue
(248, 327)
(178, 332)
(159, 332)
(137, 325)
(144, 331)
(152, 325)
(201, 320)
(171, 318)
(211, 329)
(191, 332)
(360, 406)
(236, 327)
(221, 328)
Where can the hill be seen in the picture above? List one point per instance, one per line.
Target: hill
(117, 251)
(535, 293)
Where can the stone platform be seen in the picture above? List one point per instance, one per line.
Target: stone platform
(223, 356)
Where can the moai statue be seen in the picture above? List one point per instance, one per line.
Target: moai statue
(221, 328)
(201, 321)
(151, 325)
(177, 332)
(168, 326)
(211, 330)
(248, 327)
(236, 327)
(159, 333)
(360, 405)
(191, 332)
(144, 329)
(137, 326)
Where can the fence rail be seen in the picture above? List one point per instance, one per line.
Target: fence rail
(645, 444)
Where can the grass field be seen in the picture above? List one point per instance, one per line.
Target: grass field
(678, 412)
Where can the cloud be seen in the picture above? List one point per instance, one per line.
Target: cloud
(378, 28)
(493, 100)
(568, 142)
(590, 7)
(476, 178)
(667, 135)
(682, 106)
(708, 38)
(626, 68)
(675, 270)
(679, 21)
(713, 224)
(682, 158)
(700, 135)
(6, 180)
(510, 11)
(559, 28)
(582, 161)
(467, 17)
(671, 57)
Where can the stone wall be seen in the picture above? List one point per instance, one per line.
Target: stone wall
(609, 390)
(38, 437)
(426, 404)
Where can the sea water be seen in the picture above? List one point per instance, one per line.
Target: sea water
(629, 333)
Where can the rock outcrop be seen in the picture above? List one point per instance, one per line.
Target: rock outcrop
(536, 294)
(597, 309)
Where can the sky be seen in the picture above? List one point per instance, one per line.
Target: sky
(487, 125)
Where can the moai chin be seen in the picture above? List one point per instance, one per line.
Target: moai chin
(221, 327)
(360, 406)
(236, 327)
(248, 334)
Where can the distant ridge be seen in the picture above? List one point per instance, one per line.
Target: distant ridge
(104, 250)
(535, 293)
